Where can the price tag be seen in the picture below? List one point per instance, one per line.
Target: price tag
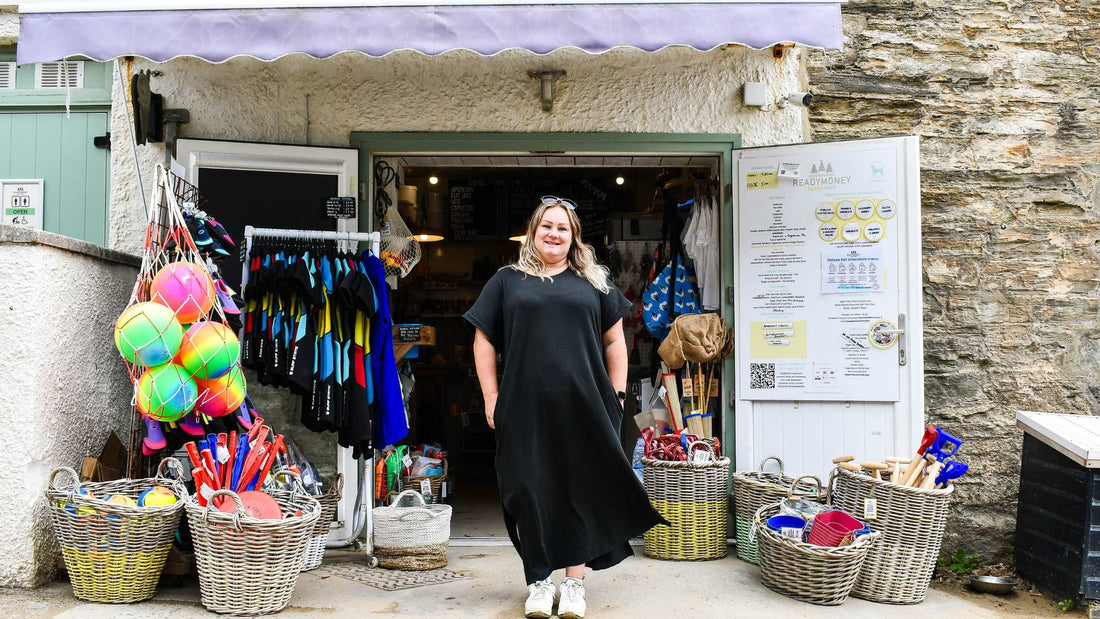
(407, 461)
(790, 170)
(714, 389)
(425, 487)
(206, 491)
(223, 454)
(700, 456)
(661, 393)
(340, 208)
(870, 509)
(686, 386)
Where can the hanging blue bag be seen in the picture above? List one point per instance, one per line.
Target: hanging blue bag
(667, 297)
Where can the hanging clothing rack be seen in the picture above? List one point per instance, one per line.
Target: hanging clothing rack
(353, 511)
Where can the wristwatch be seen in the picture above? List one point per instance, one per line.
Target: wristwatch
(621, 395)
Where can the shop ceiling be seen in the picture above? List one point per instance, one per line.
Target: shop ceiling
(216, 30)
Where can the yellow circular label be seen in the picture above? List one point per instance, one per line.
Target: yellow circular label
(887, 209)
(874, 231)
(852, 231)
(825, 211)
(828, 232)
(845, 210)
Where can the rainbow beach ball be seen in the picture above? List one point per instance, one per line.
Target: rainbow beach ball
(221, 396)
(166, 392)
(208, 350)
(186, 288)
(148, 334)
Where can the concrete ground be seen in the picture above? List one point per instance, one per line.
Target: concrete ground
(639, 587)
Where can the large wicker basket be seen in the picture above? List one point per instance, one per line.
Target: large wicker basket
(114, 553)
(411, 535)
(816, 574)
(694, 498)
(315, 549)
(911, 521)
(751, 491)
(249, 566)
(434, 481)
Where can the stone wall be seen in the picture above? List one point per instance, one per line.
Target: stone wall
(1004, 97)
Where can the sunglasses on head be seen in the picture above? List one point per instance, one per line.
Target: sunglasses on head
(569, 204)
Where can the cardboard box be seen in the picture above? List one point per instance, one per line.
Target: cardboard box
(110, 465)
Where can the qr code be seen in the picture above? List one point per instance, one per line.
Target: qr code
(761, 376)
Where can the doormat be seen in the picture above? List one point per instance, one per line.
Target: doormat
(389, 580)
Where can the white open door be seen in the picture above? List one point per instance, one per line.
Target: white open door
(827, 296)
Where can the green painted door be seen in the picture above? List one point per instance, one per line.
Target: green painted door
(58, 148)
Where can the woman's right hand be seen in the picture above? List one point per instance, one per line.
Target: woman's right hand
(490, 408)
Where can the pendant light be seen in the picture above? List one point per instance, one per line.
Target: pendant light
(406, 197)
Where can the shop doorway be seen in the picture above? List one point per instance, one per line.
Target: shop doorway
(479, 205)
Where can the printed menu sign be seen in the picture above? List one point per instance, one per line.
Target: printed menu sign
(818, 266)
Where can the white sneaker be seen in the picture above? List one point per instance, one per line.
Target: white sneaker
(571, 605)
(540, 599)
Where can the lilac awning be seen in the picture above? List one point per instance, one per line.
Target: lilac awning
(268, 33)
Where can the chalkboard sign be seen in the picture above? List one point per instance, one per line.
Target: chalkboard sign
(340, 208)
(408, 333)
(493, 210)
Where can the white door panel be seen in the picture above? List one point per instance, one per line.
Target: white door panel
(809, 432)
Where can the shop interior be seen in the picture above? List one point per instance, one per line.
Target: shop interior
(475, 210)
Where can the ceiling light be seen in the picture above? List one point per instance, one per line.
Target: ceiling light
(434, 180)
(619, 180)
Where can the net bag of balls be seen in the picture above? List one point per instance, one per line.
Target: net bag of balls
(115, 535)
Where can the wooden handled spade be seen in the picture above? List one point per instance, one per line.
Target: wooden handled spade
(896, 468)
(876, 468)
(916, 465)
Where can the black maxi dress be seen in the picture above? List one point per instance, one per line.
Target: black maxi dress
(567, 489)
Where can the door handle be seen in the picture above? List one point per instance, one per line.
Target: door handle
(884, 334)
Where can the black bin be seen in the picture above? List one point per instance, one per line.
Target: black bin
(1058, 515)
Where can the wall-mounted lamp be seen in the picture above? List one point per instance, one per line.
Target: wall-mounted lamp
(547, 79)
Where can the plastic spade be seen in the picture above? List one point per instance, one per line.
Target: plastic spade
(944, 446)
(915, 465)
(952, 469)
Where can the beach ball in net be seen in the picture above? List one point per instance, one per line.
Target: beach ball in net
(221, 396)
(148, 334)
(166, 392)
(186, 288)
(208, 350)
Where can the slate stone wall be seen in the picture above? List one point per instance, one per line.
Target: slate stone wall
(1004, 96)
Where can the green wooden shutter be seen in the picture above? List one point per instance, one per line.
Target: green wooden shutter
(58, 148)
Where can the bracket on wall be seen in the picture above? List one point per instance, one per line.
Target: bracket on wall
(547, 80)
(172, 120)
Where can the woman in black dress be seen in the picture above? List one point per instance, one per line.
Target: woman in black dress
(569, 496)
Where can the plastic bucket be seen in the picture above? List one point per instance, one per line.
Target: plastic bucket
(788, 526)
(833, 527)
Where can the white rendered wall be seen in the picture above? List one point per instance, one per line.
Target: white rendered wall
(64, 386)
(671, 91)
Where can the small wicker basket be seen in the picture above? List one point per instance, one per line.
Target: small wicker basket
(751, 491)
(816, 574)
(411, 535)
(249, 566)
(435, 481)
(912, 522)
(694, 498)
(315, 549)
(114, 553)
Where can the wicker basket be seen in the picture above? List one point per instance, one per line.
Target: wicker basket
(816, 574)
(436, 482)
(114, 553)
(249, 566)
(911, 521)
(751, 491)
(411, 535)
(694, 498)
(315, 548)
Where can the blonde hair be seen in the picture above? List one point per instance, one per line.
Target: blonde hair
(581, 257)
